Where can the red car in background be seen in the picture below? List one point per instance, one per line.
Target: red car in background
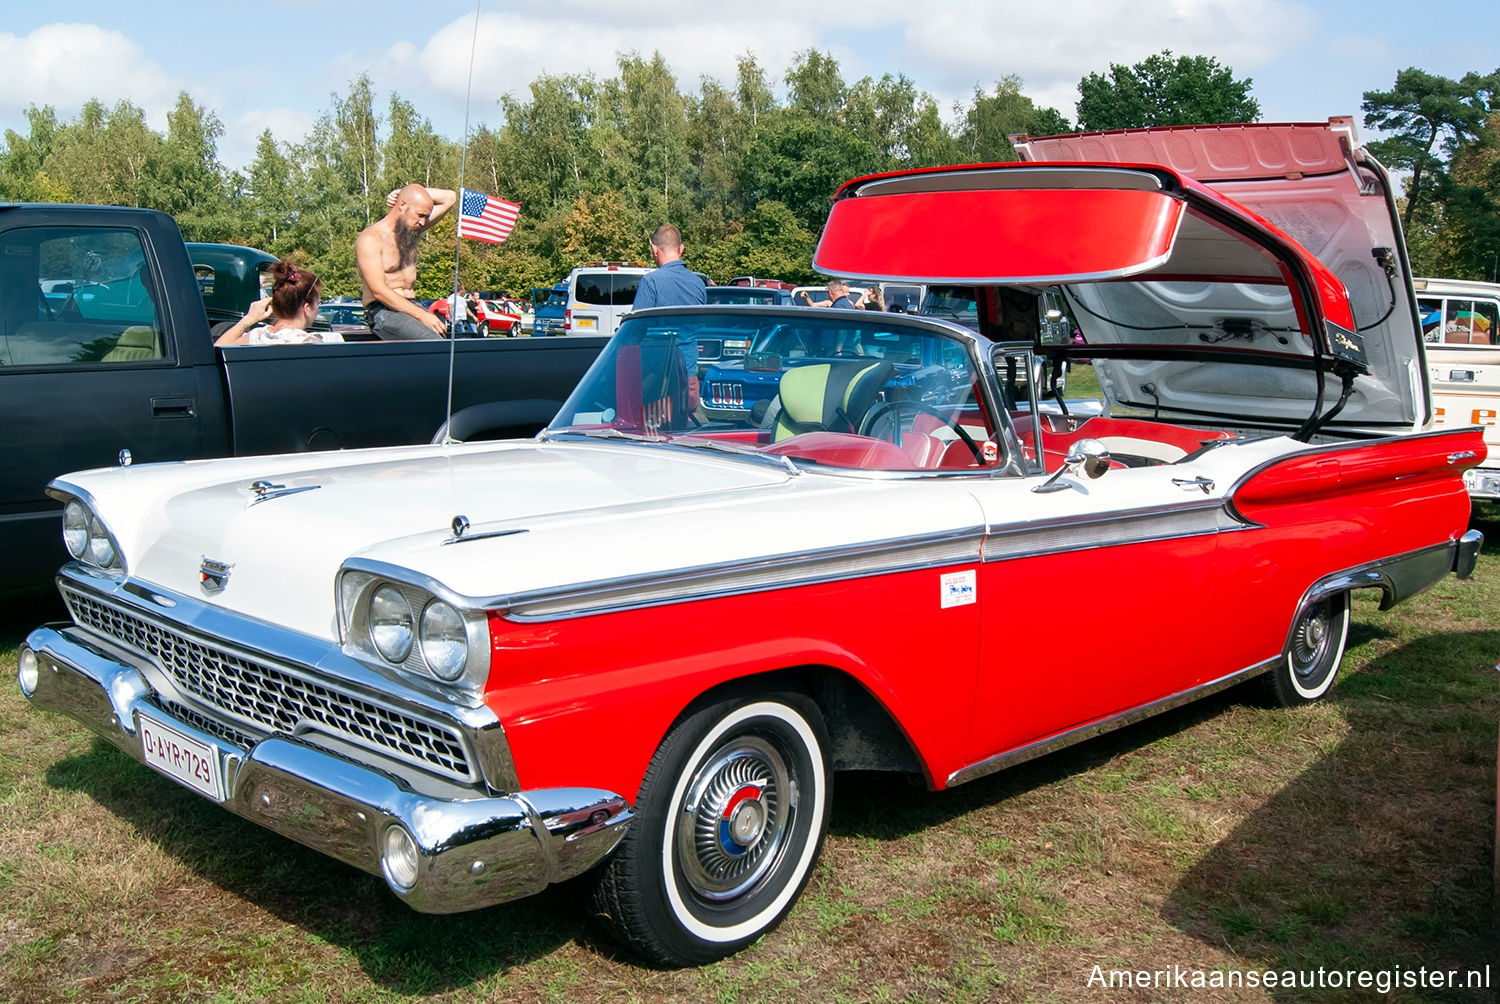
(498, 317)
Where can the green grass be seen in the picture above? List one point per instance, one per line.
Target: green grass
(1358, 832)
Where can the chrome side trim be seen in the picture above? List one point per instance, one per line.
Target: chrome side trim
(1402, 576)
(1084, 732)
(709, 581)
(476, 850)
(1110, 530)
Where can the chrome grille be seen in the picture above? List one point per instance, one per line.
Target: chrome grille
(269, 697)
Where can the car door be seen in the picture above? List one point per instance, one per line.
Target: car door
(1093, 594)
(86, 371)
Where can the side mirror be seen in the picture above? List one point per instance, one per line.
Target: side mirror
(1088, 456)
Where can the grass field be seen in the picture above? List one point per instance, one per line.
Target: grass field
(1353, 834)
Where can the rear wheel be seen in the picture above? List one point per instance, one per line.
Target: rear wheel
(1314, 651)
(730, 821)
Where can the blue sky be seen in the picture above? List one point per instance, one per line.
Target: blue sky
(272, 63)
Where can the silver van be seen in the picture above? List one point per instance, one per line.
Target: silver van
(600, 294)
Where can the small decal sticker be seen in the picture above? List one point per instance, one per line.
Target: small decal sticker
(959, 589)
(990, 452)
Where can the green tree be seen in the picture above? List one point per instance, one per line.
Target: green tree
(1428, 118)
(753, 92)
(991, 119)
(186, 179)
(413, 152)
(1161, 90)
(23, 177)
(267, 205)
(105, 155)
(801, 163)
(815, 87)
(653, 125)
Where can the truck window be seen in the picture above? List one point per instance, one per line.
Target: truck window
(1459, 320)
(74, 296)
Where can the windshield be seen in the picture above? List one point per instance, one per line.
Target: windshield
(877, 393)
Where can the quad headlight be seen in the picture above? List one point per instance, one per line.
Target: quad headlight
(412, 628)
(76, 520)
(391, 624)
(445, 640)
(86, 538)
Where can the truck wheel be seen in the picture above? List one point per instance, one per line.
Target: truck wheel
(730, 821)
(1313, 653)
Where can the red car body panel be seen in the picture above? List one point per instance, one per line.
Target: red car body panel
(552, 683)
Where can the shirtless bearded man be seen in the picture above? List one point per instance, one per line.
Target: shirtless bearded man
(386, 253)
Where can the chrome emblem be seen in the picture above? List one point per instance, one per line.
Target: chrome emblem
(213, 575)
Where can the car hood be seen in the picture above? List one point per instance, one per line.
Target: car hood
(541, 516)
(1236, 272)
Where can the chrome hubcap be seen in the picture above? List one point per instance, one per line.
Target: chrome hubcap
(1311, 641)
(733, 825)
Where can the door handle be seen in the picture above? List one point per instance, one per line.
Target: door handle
(1461, 376)
(172, 407)
(1207, 484)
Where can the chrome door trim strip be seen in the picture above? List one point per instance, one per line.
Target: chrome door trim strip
(799, 568)
(999, 762)
(1097, 530)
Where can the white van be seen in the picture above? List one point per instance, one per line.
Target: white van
(600, 294)
(1461, 329)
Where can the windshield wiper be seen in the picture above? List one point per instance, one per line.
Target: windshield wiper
(691, 443)
(634, 437)
(747, 452)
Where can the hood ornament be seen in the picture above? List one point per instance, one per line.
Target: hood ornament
(212, 575)
(264, 491)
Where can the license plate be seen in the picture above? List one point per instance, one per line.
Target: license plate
(585, 322)
(175, 755)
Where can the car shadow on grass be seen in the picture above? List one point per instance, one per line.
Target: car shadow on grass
(1380, 855)
(396, 947)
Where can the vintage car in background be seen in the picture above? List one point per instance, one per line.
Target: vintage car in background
(494, 317)
(742, 388)
(639, 645)
(1461, 326)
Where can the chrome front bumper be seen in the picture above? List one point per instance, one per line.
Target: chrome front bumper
(473, 849)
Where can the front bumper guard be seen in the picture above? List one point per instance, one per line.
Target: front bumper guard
(473, 850)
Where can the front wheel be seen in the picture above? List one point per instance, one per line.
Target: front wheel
(730, 820)
(484, 329)
(1316, 647)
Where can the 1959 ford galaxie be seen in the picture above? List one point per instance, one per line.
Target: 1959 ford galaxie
(642, 643)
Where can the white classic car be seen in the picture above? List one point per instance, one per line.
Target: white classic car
(642, 642)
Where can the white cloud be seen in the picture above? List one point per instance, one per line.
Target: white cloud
(511, 51)
(64, 65)
(1051, 46)
(237, 145)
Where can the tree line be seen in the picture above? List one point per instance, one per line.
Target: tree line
(597, 163)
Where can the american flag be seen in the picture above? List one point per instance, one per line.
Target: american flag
(486, 218)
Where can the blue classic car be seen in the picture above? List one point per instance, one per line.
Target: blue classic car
(801, 336)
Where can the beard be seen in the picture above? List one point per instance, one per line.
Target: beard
(407, 240)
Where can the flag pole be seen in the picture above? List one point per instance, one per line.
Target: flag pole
(458, 236)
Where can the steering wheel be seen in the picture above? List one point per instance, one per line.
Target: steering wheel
(894, 410)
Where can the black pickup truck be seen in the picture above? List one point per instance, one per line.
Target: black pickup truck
(106, 357)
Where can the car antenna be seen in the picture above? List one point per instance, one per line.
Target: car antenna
(458, 232)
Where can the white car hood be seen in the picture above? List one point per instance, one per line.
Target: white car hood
(588, 512)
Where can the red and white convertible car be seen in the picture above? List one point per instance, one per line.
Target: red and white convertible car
(643, 643)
